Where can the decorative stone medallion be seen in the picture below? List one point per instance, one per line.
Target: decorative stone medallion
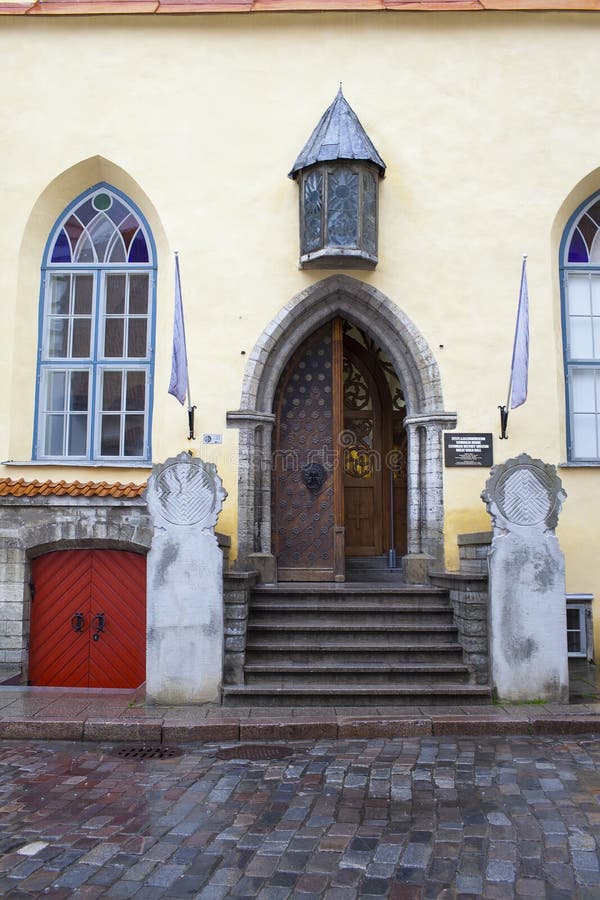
(186, 491)
(524, 493)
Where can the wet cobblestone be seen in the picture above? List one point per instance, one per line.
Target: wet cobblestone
(405, 819)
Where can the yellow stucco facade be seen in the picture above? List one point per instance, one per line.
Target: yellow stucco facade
(487, 123)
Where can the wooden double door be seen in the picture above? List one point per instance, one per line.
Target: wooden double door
(339, 462)
(88, 619)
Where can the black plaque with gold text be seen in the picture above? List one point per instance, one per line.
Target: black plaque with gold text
(468, 450)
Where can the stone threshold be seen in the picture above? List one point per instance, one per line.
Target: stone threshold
(252, 725)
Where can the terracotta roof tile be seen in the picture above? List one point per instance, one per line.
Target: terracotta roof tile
(169, 7)
(22, 488)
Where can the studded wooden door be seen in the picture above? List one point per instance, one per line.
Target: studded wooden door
(365, 507)
(307, 520)
(88, 619)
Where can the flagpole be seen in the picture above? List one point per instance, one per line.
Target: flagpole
(504, 410)
(191, 407)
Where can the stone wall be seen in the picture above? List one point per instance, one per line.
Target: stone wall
(31, 526)
(468, 590)
(236, 596)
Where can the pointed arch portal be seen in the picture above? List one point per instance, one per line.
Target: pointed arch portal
(362, 305)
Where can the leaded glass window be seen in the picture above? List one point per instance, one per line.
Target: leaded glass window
(338, 215)
(94, 385)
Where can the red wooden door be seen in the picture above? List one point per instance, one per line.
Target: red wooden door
(88, 619)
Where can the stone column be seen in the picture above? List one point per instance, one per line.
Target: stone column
(184, 660)
(425, 494)
(528, 629)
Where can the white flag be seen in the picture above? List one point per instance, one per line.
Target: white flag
(179, 365)
(520, 358)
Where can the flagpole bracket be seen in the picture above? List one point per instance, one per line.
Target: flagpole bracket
(191, 435)
(503, 422)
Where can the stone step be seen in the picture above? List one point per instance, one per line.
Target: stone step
(367, 592)
(285, 674)
(340, 653)
(449, 694)
(329, 615)
(366, 562)
(352, 634)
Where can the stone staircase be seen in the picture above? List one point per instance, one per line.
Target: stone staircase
(353, 644)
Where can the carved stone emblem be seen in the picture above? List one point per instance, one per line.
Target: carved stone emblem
(187, 491)
(314, 476)
(524, 493)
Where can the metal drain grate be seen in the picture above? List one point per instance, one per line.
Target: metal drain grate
(254, 751)
(148, 752)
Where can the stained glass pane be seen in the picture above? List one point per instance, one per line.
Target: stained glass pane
(577, 250)
(62, 249)
(128, 228)
(113, 338)
(115, 294)
(138, 293)
(79, 397)
(136, 391)
(85, 251)
(82, 329)
(136, 338)
(86, 211)
(134, 435)
(369, 213)
(111, 391)
(138, 252)
(101, 231)
(84, 285)
(110, 436)
(595, 251)
(312, 233)
(77, 444)
(118, 211)
(74, 228)
(60, 287)
(342, 208)
(116, 252)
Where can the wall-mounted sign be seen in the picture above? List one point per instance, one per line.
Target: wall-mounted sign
(212, 438)
(468, 450)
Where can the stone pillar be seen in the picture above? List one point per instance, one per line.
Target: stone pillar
(184, 659)
(528, 630)
(425, 494)
(254, 484)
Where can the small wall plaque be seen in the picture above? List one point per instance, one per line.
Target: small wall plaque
(468, 450)
(212, 438)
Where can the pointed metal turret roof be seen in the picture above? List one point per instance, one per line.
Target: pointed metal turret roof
(339, 135)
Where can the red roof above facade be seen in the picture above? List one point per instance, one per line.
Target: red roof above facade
(170, 7)
(22, 488)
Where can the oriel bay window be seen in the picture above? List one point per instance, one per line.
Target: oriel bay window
(96, 342)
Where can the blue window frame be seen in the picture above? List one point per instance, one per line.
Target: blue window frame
(96, 333)
(580, 285)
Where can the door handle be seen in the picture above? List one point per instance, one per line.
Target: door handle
(78, 622)
(98, 623)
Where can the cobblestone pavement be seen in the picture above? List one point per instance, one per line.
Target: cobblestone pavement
(404, 818)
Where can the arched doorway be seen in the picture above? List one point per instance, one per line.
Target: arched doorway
(416, 368)
(339, 461)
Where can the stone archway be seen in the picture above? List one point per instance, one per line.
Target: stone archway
(418, 372)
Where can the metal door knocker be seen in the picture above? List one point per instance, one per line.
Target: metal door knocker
(314, 476)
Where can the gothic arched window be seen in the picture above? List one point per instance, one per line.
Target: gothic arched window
(580, 270)
(97, 333)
